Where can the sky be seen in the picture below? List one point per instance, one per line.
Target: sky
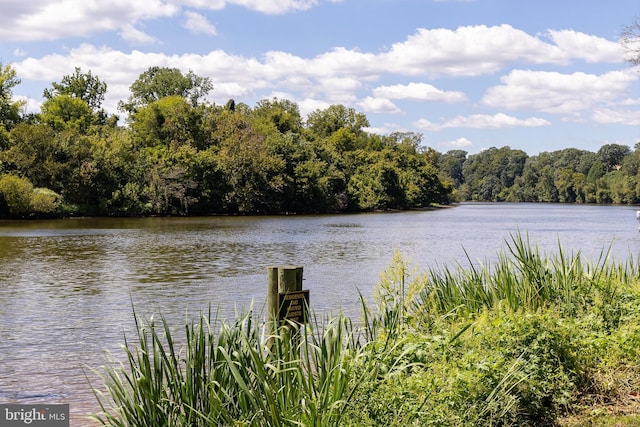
(535, 75)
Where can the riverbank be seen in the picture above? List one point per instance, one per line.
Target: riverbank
(529, 340)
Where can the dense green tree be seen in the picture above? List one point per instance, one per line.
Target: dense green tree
(612, 155)
(252, 174)
(159, 82)
(491, 171)
(84, 86)
(33, 154)
(180, 157)
(9, 108)
(66, 112)
(16, 194)
(450, 165)
(324, 123)
(170, 121)
(283, 115)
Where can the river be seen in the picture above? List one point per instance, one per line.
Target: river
(67, 286)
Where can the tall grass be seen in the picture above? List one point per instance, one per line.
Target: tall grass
(229, 376)
(525, 279)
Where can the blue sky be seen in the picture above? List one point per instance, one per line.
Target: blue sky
(468, 74)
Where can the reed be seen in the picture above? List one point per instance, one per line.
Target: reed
(227, 376)
(523, 278)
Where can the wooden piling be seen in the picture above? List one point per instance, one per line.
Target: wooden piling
(280, 280)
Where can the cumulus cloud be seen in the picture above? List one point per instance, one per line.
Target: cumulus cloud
(35, 20)
(378, 105)
(338, 74)
(610, 116)
(419, 92)
(468, 51)
(554, 92)
(587, 47)
(482, 121)
(309, 105)
(52, 20)
(457, 144)
(135, 36)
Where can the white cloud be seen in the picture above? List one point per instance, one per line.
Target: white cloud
(334, 77)
(309, 105)
(419, 92)
(51, 20)
(609, 116)
(197, 23)
(456, 144)
(273, 7)
(339, 75)
(29, 105)
(554, 92)
(378, 105)
(135, 36)
(482, 121)
(468, 51)
(587, 47)
(57, 19)
(387, 128)
(341, 61)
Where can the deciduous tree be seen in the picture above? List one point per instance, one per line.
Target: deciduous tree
(84, 86)
(9, 108)
(159, 82)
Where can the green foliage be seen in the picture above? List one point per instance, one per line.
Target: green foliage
(65, 112)
(169, 121)
(19, 198)
(83, 86)
(491, 171)
(267, 159)
(524, 342)
(567, 176)
(17, 193)
(159, 82)
(9, 109)
(336, 118)
(227, 376)
(44, 201)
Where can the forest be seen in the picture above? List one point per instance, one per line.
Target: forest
(173, 153)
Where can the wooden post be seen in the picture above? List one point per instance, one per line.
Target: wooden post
(272, 301)
(280, 280)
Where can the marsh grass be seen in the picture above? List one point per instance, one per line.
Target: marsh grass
(523, 278)
(228, 376)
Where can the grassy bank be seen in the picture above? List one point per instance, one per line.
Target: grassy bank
(532, 339)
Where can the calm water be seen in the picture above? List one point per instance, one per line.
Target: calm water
(67, 286)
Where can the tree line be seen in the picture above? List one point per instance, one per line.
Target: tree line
(176, 154)
(610, 175)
